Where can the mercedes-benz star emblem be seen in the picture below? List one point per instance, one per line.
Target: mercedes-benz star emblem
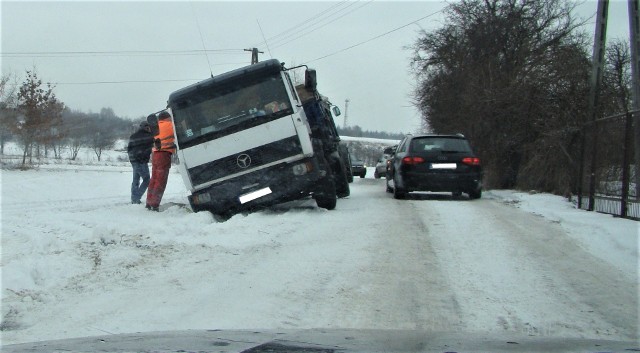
(243, 160)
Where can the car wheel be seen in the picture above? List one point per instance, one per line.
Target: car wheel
(398, 193)
(476, 194)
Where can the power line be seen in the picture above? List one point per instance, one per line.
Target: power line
(326, 24)
(120, 53)
(192, 52)
(128, 81)
(315, 24)
(193, 10)
(303, 23)
(374, 38)
(265, 40)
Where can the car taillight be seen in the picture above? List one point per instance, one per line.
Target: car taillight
(471, 160)
(412, 160)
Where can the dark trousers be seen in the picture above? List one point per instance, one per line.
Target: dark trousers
(140, 173)
(160, 165)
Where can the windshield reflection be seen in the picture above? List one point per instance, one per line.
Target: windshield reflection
(217, 110)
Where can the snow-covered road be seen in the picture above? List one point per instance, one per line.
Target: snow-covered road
(77, 260)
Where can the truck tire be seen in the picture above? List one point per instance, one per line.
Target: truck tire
(221, 216)
(327, 202)
(326, 197)
(342, 187)
(341, 179)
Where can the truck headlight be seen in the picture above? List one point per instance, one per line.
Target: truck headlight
(202, 198)
(302, 168)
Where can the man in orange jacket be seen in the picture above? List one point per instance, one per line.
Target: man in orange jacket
(164, 148)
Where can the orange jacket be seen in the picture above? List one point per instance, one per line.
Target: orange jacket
(165, 135)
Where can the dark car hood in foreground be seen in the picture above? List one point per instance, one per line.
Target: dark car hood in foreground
(321, 341)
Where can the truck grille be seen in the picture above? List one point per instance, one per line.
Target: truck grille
(245, 160)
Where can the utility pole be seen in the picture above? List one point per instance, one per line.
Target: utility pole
(597, 63)
(634, 38)
(254, 55)
(346, 112)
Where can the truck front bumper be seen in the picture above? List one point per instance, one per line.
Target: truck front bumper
(262, 188)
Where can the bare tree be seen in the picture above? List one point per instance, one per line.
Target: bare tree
(54, 135)
(512, 76)
(76, 131)
(615, 135)
(617, 74)
(102, 132)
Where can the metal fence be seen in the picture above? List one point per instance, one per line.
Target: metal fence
(607, 168)
(613, 205)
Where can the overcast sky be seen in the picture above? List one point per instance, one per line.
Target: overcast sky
(130, 56)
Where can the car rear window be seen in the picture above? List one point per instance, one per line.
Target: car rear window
(435, 144)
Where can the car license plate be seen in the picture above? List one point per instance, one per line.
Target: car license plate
(254, 195)
(444, 165)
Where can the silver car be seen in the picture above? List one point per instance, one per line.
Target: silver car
(381, 167)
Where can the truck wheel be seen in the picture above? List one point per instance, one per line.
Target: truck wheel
(327, 202)
(343, 190)
(326, 197)
(340, 177)
(221, 216)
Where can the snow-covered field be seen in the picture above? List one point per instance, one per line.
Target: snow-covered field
(381, 142)
(79, 260)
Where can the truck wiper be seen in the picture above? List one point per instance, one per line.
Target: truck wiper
(227, 118)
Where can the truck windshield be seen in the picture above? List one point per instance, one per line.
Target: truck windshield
(218, 111)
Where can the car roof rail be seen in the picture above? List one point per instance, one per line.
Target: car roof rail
(460, 134)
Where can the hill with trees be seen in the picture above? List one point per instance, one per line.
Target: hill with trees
(32, 116)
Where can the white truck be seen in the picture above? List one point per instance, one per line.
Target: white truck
(248, 138)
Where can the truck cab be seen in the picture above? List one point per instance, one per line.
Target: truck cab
(245, 142)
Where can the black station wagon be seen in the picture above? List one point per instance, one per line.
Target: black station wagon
(436, 163)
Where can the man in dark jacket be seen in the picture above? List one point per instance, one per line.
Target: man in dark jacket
(139, 150)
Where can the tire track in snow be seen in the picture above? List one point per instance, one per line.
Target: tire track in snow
(401, 285)
(514, 271)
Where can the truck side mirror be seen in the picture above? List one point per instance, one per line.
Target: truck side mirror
(336, 110)
(310, 81)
